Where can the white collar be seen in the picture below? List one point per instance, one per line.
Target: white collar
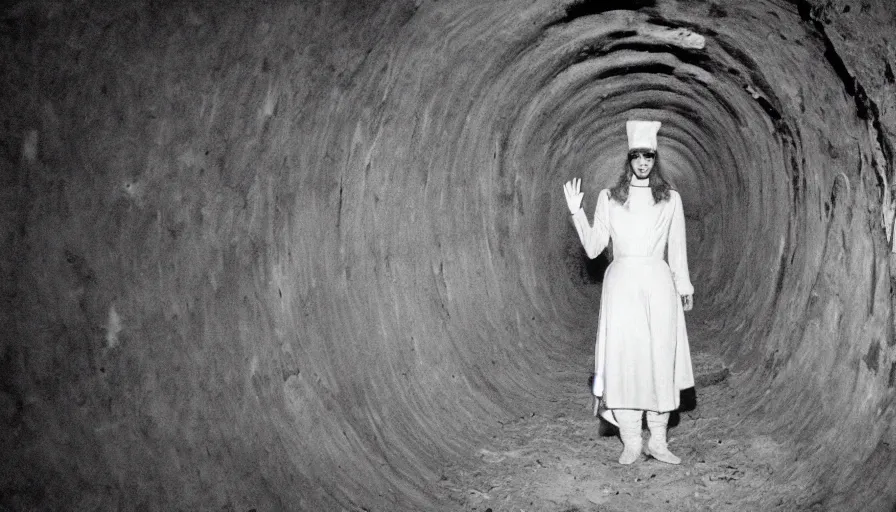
(638, 182)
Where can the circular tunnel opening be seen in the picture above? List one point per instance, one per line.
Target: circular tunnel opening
(317, 256)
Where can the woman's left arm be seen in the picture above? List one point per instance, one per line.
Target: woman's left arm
(678, 254)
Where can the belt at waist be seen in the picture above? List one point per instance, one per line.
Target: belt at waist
(637, 257)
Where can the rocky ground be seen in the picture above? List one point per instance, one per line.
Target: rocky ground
(565, 460)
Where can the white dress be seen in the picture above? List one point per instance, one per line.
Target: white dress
(642, 357)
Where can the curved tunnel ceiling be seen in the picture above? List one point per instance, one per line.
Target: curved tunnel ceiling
(305, 254)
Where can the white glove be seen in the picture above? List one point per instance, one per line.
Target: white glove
(572, 191)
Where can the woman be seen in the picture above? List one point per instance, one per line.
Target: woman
(642, 357)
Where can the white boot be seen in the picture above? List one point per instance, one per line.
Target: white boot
(630, 433)
(656, 445)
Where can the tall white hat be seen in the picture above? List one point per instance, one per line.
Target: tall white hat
(642, 134)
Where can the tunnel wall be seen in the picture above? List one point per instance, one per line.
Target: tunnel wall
(303, 256)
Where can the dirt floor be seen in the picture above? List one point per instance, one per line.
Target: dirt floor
(565, 460)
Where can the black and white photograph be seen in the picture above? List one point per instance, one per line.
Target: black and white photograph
(448, 255)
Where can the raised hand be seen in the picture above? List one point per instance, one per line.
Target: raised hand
(572, 189)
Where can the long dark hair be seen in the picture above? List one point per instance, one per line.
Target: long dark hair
(659, 187)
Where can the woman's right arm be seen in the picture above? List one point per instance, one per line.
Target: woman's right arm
(594, 238)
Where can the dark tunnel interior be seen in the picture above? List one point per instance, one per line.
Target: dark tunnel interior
(297, 255)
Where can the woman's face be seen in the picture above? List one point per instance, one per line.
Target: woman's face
(642, 163)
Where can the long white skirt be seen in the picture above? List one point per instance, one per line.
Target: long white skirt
(642, 356)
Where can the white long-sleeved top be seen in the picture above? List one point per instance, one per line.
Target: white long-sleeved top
(639, 228)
